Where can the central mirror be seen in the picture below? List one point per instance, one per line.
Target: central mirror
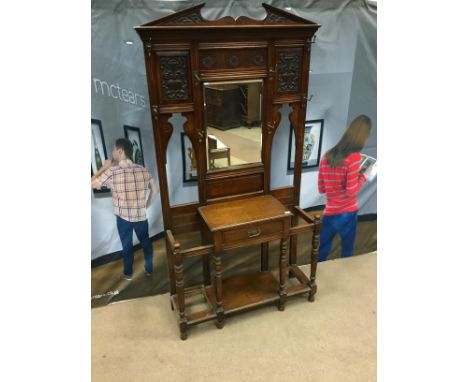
(233, 122)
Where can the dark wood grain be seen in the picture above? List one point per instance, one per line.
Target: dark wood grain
(234, 213)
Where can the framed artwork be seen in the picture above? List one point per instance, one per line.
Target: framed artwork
(98, 150)
(189, 161)
(313, 132)
(134, 136)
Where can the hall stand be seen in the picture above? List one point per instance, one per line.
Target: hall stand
(237, 207)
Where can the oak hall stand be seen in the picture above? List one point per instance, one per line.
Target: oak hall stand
(184, 55)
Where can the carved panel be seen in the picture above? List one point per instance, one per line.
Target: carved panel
(276, 19)
(228, 59)
(192, 18)
(174, 77)
(289, 66)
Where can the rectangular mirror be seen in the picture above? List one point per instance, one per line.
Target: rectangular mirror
(233, 122)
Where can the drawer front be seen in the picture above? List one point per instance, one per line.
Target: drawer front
(253, 232)
(232, 59)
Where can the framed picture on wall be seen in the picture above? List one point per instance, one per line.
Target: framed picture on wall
(98, 150)
(189, 161)
(134, 136)
(313, 131)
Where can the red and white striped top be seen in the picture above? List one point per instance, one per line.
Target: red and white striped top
(341, 184)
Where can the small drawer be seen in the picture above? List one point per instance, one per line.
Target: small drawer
(252, 232)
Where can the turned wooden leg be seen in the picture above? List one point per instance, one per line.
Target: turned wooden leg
(219, 292)
(183, 330)
(282, 274)
(293, 247)
(179, 276)
(264, 264)
(170, 264)
(292, 254)
(314, 256)
(206, 270)
(206, 260)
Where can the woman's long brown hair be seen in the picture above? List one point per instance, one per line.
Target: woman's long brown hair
(353, 140)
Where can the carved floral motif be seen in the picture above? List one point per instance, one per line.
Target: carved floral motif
(174, 77)
(289, 68)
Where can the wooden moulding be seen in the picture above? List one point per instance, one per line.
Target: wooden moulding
(192, 18)
(243, 184)
(231, 75)
(234, 197)
(243, 170)
(182, 108)
(203, 46)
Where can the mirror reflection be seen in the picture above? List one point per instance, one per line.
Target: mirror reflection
(233, 122)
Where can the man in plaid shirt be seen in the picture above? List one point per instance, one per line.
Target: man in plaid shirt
(129, 183)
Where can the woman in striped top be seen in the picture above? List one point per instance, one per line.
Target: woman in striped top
(340, 180)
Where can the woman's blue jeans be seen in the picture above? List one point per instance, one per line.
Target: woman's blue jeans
(125, 229)
(345, 225)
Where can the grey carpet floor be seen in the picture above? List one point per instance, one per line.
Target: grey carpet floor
(332, 339)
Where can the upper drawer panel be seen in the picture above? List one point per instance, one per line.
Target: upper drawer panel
(233, 59)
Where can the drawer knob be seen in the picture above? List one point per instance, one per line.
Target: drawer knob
(254, 233)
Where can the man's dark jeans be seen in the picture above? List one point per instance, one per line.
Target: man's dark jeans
(125, 229)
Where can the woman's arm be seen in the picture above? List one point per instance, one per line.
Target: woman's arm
(321, 184)
(354, 179)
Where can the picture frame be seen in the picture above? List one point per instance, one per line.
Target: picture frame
(189, 161)
(313, 134)
(98, 150)
(133, 135)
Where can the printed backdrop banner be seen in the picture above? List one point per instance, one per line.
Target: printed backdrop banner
(342, 85)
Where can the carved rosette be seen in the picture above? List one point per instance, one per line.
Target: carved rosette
(208, 62)
(289, 69)
(174, 81)
(233, 61)
(259, 59)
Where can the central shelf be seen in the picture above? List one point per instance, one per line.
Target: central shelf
(245, 291)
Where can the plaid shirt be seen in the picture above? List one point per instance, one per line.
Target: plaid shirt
(129, 183)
